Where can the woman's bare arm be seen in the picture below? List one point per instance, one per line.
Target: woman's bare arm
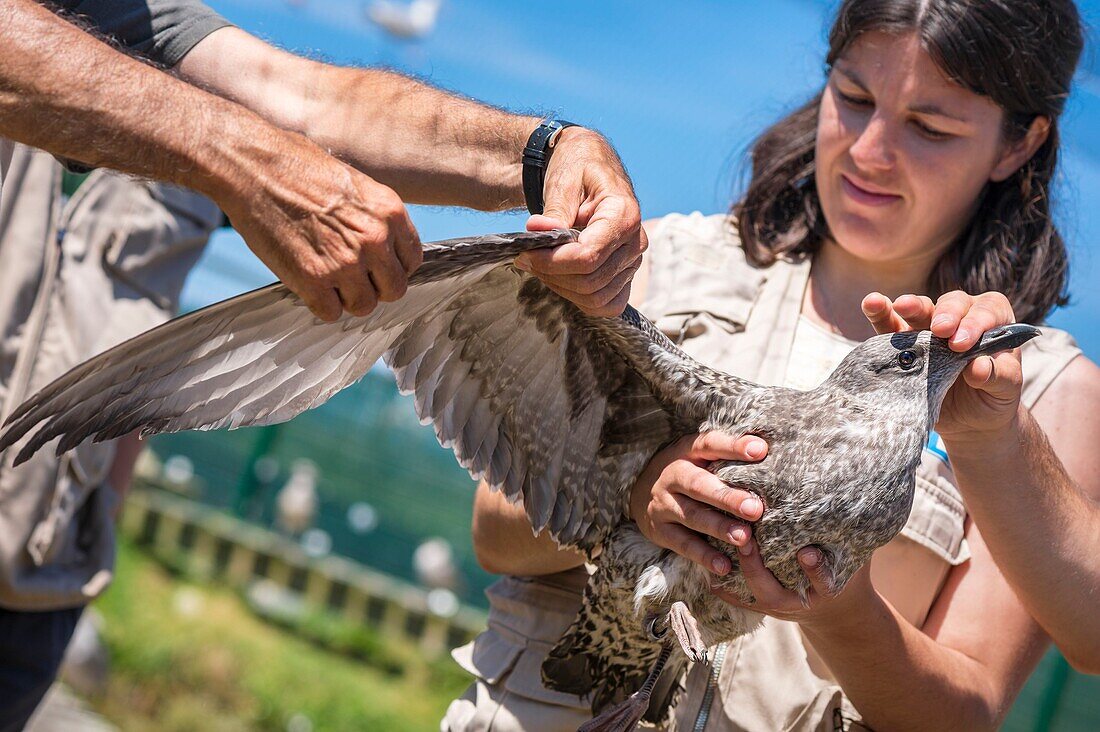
(1035, 491)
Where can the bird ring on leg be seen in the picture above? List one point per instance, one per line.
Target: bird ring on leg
(651, 629)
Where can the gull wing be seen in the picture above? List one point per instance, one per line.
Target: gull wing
(557, 409)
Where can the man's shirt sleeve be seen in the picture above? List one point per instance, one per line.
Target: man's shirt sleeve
(162, 30)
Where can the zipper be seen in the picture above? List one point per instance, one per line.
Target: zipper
(36, 323)
(712, 686)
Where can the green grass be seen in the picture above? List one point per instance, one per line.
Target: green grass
(220, 667)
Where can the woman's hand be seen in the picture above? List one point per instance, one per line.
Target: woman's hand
(822, 607)
(676, 498)
(986, 398)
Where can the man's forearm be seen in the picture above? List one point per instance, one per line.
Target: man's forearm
(428, 145)
(1041, 528)
(66, 92)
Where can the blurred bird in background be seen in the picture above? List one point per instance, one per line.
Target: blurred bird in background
(407, 21)
(296, 502)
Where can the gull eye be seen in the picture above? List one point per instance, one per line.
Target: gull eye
(906, 359)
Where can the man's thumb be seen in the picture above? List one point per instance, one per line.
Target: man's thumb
(543, 222)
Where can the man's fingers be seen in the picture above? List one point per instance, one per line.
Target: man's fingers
(878, 309)
(688, 544)
(627, 257)
(563, 193)
(407, 247)
(359, 300)
(607, 302)
(324, 302)
(387, 274)
(542, 222)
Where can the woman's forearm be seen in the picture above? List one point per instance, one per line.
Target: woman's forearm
(1041, 528)
(505, 544)
(901, 679)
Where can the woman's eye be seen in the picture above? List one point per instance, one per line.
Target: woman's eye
(855, 102)
(906, 359)
(930, 133)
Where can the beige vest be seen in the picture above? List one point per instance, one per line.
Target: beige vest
(76, 279)
(702, 293)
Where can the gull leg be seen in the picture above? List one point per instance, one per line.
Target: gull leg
(686, 629)
(626, 714)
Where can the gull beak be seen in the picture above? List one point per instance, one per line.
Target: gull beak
(1002, 339)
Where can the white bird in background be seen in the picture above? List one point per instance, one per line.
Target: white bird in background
(434, 564)
(410, 21)
(296, 503)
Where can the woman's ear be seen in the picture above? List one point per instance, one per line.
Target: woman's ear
(1016, 154)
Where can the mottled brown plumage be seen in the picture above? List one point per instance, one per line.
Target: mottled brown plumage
(560, 411)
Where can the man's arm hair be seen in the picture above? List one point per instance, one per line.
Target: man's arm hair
(429, 145)
(67, 92)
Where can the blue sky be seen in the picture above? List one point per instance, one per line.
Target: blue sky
(680, 88)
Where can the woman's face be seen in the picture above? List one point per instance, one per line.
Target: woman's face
(902, 153)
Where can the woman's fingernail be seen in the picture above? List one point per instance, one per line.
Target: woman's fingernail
(745, 549)
(755, 448)
(721, 565)
(941, 320)
(811, 559)
(751, 508)
(523, 263)
(960, 335)
(738, 535)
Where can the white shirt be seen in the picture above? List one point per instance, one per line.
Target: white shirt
(814, 354)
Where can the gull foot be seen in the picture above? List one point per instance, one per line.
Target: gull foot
(625, 715)
(686, 630)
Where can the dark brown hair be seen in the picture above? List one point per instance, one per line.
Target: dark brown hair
(1019, 53)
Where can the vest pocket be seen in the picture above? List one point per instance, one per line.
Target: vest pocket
(526, 620)
(938, 519)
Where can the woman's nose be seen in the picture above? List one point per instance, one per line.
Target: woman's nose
(873, 149)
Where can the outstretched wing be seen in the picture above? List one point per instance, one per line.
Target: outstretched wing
(555, 408)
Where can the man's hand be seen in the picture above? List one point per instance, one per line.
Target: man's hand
(336, 237)
(987, 396)
(676, 498)
(586, 187)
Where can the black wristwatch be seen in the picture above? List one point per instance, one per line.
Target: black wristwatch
(536, 156)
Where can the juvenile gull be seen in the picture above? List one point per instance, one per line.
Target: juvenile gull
(561, 411)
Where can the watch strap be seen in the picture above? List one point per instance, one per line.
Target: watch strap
(536, 156)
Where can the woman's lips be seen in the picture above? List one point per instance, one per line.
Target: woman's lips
(864, 196)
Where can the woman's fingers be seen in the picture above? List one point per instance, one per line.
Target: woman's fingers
(812, 561)
(710, 446)
(1000, 376)
(963, 318)
(702, 518)
(878, 309)
(688, 544)
(707, 488)
(915, 310)
(762, 583)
